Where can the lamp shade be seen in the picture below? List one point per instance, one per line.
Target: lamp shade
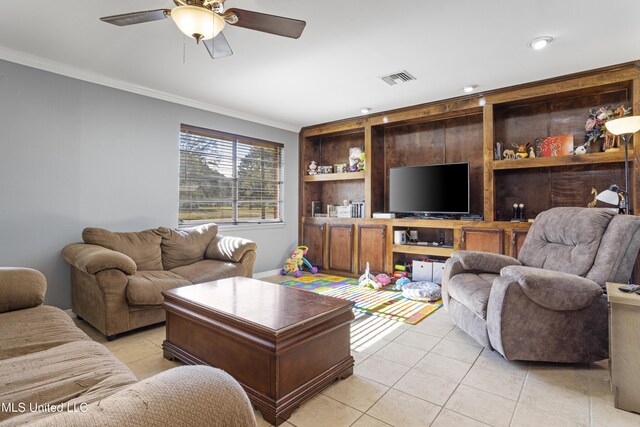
(609, 196)
(196, 21)
(623, 125)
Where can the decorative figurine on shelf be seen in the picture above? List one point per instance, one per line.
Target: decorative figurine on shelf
(594, 193)
(497, 152)
(596, 124)
(611, 142)
(296, 261)
(580, 150)
(509, 154)
(518, 213)
(532, 153)
(521, 150)
(356, 159)
(313, 168)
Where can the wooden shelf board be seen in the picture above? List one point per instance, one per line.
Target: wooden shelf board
(423, 250)
(347, 176)
(545, 162)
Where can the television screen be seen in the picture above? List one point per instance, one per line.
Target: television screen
(438, 189)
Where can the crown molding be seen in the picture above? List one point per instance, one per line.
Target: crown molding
(55, 67)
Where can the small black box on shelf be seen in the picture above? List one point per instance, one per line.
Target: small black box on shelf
(316, 207)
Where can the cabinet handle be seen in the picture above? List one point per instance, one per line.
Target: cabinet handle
(462, 237)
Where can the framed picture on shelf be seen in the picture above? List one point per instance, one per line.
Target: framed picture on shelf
(554, 146)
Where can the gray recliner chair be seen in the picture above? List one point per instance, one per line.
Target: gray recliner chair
(549, 304)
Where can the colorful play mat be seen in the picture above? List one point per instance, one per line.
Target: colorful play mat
(384, 303)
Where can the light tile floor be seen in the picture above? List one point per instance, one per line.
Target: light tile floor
(428, 374)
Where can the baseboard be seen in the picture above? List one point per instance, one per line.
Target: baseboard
(70, 313)
(264, 274)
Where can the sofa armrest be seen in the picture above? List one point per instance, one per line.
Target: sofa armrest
(226, 248)
(553, 289)
(21, 288)
(486, 262)
(183, 396)
(92, 258)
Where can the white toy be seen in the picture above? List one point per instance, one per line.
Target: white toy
(580, 150)
(509, 154)
(368, 281)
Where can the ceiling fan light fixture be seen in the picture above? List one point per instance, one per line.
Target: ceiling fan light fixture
(197, 22)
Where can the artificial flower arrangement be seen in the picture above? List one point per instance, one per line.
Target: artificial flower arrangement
(596, 123)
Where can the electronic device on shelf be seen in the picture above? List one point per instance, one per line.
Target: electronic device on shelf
(472, 217)
(430, 190)
(384, 215)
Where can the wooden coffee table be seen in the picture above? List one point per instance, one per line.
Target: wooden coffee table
(283, 345)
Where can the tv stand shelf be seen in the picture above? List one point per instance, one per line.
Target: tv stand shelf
(444, 251)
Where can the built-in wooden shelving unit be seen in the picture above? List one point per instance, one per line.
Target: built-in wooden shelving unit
(458, 130)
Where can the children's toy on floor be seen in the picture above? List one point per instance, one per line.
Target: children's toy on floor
(383, 280)
(367, 280)
(422, 291)
(400, 283)
(297, 261)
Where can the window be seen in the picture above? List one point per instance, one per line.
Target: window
(228, 179)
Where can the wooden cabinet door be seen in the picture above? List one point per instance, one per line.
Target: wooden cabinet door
(482, 239)
(517, 240)
(341, 247)
(372, 248)
(313, 238)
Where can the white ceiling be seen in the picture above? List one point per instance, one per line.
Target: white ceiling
(332, 70)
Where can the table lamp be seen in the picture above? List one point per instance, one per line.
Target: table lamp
(623, 126)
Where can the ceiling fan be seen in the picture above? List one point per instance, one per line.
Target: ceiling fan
(205, 19)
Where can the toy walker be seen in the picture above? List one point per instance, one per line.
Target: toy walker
(297, 261)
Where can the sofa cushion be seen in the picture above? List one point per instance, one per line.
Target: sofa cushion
(210, 269)
(618, 251)
(73, 373)
(185, 246)
(565, 239)
(145, 287)
(21, 288)
(472, 290)
(36, 329)
(142, 247)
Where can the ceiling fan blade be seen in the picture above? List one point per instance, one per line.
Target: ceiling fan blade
(137, 17)
(218, 47)
(272, 24)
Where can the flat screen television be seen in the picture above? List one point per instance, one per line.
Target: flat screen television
(430, 189)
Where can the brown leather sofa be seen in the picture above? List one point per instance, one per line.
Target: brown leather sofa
(549, 304)
(117, 278)
(53, 374)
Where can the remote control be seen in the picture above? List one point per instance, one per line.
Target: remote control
(629, 288)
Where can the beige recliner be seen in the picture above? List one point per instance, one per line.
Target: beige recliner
(549, 304)
(117, 279)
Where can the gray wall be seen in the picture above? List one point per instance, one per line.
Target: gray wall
(75, 154)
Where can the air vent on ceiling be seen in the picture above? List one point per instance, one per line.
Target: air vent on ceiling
(399, 77)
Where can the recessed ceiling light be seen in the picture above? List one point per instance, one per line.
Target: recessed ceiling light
(365, 110)
(469, 88)
(540, 42)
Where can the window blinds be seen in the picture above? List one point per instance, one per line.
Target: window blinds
(228, 178)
